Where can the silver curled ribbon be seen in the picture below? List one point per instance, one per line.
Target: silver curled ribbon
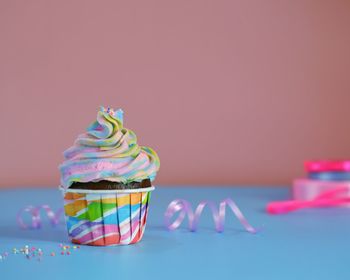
(184, 208)
(35, 211)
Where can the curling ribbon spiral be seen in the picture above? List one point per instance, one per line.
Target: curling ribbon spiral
(53, 217)
(184, 208)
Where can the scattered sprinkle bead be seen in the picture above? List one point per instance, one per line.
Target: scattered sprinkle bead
(26, 250)
(31, 252)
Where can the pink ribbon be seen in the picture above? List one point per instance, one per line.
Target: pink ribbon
(184, 208)
(53, 217)
(331, 197)
(327, 166)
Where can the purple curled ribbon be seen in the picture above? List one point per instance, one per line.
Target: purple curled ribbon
(53, 217)
(184, 208)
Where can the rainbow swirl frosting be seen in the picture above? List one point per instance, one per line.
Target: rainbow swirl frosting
(108, 151)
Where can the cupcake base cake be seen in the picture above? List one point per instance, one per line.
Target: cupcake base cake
(108, 185)
(106, 181)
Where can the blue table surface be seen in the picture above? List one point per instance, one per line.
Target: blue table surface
(307, 244)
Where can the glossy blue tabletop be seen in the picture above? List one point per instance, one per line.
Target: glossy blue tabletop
(307, 244)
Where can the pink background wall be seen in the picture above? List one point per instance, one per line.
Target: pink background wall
(227, 92)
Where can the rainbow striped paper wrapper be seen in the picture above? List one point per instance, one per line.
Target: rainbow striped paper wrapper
(108, 217)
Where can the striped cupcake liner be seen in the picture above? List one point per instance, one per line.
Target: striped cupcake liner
(109, 217)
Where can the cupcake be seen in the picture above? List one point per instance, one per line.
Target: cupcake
(106, 180)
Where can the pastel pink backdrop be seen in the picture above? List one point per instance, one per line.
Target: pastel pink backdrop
(227, 92)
